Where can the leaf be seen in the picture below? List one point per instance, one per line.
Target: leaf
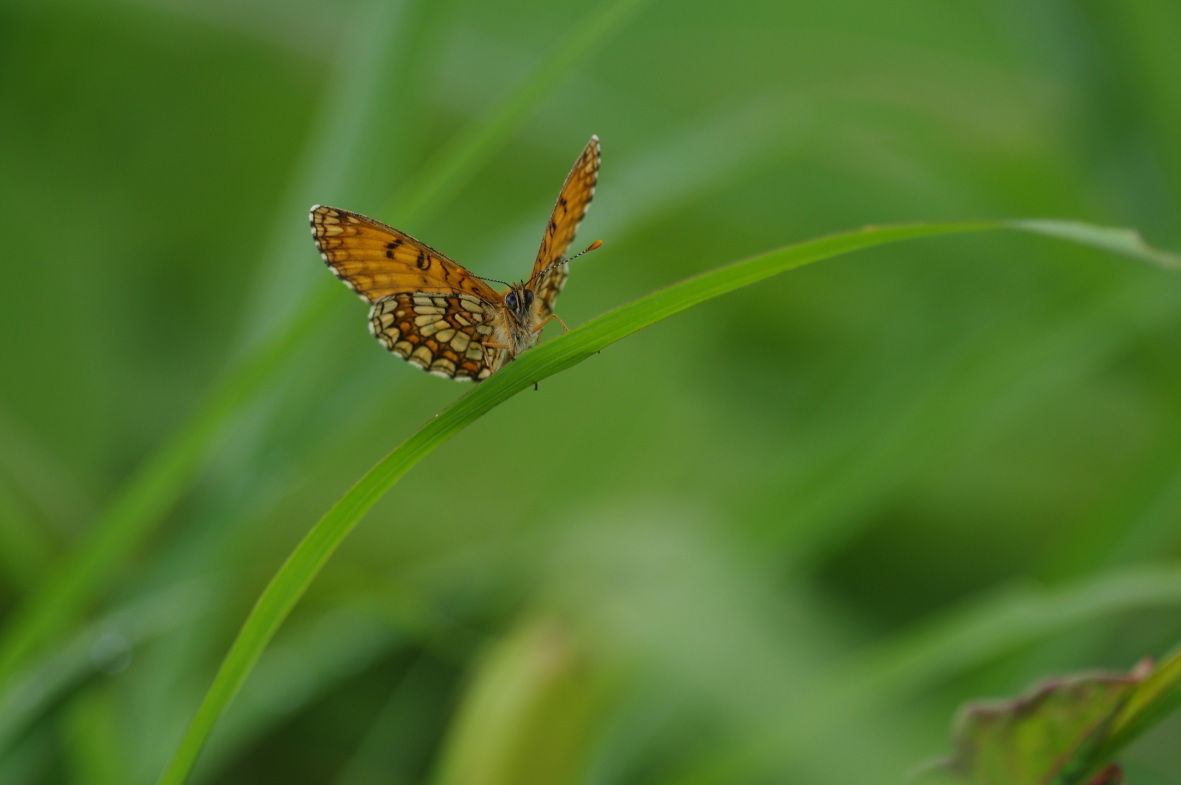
(1063, 732)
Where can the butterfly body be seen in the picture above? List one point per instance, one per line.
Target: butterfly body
(433, 312)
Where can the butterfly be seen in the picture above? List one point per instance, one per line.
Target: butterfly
(435, 313)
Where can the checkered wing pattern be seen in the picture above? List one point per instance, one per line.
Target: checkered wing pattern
(441, 333)
(426, 308)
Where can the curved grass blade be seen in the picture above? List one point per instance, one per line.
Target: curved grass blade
(562, 352)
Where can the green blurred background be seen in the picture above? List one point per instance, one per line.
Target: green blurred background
(778, 538)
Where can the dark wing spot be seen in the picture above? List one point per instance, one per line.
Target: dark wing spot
(424, 261)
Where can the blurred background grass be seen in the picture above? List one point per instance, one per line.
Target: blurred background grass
(780, 537)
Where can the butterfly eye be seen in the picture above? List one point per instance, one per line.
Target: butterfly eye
(528, 297)
(510, 300)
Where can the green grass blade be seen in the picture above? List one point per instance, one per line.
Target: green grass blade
(993, 626)
(566, 350)
(1125, 242)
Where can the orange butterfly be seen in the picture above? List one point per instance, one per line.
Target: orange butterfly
(432, 311)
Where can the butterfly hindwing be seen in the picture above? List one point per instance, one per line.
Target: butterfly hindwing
(440, 333)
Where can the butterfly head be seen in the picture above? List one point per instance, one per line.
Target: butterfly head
(519, 300)
(519, 296)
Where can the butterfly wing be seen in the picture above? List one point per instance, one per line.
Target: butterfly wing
(573, 201)
(441, 333)
(376, 261)
(426, 308)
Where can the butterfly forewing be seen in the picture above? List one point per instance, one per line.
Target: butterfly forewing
(375, 260)
(573, 201)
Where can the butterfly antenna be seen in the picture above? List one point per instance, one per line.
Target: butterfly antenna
(568, 259)
(491, 280)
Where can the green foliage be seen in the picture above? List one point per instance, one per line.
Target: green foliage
(574, 347)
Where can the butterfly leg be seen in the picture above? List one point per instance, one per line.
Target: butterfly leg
(490, 359)
(546, 321)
